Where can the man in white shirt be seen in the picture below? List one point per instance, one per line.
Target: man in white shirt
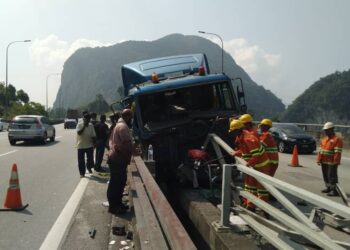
(86, 139)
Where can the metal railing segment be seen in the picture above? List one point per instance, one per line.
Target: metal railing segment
(298, 223)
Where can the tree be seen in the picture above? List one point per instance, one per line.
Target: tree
(22, 96)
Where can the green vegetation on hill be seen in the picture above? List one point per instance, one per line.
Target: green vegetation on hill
(18, 103)
(328, 99)
(92, 71)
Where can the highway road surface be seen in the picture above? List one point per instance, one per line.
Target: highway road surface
(48, 175)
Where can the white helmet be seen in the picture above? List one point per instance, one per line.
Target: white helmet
(328, 125)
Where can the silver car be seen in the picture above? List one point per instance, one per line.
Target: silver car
(3, 124)
(30, 128)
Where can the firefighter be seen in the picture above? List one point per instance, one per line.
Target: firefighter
(269, 144)
(247, 120)
(329, 158)
(251, 150)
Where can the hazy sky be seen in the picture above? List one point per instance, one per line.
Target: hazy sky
(284, 45)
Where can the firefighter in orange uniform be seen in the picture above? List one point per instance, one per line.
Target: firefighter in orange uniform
(329, 158)
(251, 150)
(269, 144)
(247, 120)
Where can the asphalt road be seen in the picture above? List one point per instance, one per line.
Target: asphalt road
(48, 175)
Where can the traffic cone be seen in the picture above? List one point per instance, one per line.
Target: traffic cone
(13, 198)
(295, 162)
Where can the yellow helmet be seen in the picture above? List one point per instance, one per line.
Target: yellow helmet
(235, 124)
(266, 122)
(246, 118)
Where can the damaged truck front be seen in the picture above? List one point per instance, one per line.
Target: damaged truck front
(176, 103)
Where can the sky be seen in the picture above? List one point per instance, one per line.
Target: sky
(284, 45)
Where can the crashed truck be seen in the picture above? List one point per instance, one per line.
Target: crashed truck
(177, 102)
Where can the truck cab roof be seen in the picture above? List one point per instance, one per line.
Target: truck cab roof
(165, 67)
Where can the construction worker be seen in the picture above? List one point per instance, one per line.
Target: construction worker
(329, 158)
(247, 120)
(251, 150)
(269, 144)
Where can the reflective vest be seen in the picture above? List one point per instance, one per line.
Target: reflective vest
(330, 150)
(253, 132)
(270, 146)
(251, 150)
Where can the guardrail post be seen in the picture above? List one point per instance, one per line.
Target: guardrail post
(224, 223)
(226, 195)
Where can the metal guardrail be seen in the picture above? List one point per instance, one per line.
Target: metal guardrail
(288, 227)
(174, 232)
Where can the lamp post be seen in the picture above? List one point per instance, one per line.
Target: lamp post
(222, 47)
(47, 94)
(7, 57)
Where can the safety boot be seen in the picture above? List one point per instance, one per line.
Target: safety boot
(333, 193)
(326, 190)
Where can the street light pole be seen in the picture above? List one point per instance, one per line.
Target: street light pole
(222, 47)
(47, 93)
(7, 57)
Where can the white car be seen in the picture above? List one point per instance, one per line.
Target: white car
(30, 128)
(4, 124)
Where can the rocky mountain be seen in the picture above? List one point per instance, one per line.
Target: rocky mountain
(92, 71)
(328, 99)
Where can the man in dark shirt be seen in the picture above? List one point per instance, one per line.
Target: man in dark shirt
(102, 132)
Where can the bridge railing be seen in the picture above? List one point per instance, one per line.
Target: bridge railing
(157, 225)
(296, 225)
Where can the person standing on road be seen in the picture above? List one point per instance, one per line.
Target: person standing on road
(251, 150)
(102, 133)
(119, 156)
(269, 144)
(85, 144)
(329, 158)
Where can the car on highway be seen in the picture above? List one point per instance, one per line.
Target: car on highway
(70, 123)
(4, 124)
(287, 135)
(30, 128)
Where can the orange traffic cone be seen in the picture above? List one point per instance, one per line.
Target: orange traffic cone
(13, 199)
(295, 162)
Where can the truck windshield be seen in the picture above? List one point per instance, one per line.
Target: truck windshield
(178, 104)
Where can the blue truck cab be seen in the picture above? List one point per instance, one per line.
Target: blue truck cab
(176, 103)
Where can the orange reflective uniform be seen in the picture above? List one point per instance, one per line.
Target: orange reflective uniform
(330, 152)
(270, 146)
(253, 132)
(254, 154)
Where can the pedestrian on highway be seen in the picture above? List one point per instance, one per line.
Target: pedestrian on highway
(251, 150)
(119, 156)
(102, 133)
(247, 120)
(94, 118)
(329, 158)
(269, 144)
(86, 138)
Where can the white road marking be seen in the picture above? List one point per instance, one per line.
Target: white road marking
(57, 137)
(9, 153)
(59, 230)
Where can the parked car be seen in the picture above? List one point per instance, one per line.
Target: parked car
(30, 128)
(288, 135)
(70, 123)
(4, 124)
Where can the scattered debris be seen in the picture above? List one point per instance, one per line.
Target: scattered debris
(119, 229)
(112, 242)
(92, 233)
(123, 243)
(105, 204)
